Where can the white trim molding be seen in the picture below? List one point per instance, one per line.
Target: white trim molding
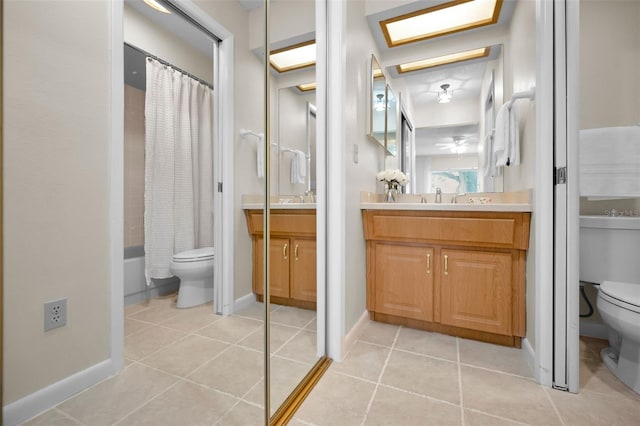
(352, 336)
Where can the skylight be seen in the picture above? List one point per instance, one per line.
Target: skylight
(442, 60)
(294, 57)
(447, 18)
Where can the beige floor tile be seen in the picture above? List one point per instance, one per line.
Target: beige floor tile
(231, 329)
(392, 407)
(279, 335)
(132, 326)
(254, 311)
(182, 404)
(53, 417)
(149, 340)
(285, 376)
(379, 333)
(475, 418)
(312, 326)
(128, 362)
(596, 377)
(427, 343)
(423, 375)
(192, 319)
(184, 356)
(592, 409)
(135, 308)
(155, 314)
(303, 347)
(118, 396)
(243, 414)
(506, 396)
(336, 400)
(364, 360)
(295, 317)
(495, 357)
(235, 371)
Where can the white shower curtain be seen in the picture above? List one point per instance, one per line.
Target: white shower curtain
(178, 196)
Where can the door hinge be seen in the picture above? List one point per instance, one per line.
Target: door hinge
(219, 186)
(559, 175)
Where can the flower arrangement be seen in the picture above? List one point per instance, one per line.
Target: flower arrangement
(392, 177)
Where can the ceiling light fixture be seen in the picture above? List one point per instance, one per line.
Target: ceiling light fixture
(157, 6)
(445, 94)
(294, 57)
(443, 60)
(447, 18)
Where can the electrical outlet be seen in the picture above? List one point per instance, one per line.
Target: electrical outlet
(55, 314)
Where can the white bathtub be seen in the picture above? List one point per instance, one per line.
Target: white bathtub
(135, 287)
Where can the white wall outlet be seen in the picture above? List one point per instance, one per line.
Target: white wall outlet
(55, 314)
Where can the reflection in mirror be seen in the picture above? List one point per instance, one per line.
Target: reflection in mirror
(391, 125)
(454, 105)
(378, 103)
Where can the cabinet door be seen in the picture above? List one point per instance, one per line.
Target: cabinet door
(279, 253)
(404, 281)
(475, 290)
(303, 270)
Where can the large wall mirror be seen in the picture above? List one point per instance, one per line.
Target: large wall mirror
(378, 103)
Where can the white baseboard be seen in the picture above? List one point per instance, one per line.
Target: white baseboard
(350, 338)
(594, 329)
(46, 398)
(243, 302)
(530, 357)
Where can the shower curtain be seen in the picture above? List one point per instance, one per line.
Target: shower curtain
(178, 195)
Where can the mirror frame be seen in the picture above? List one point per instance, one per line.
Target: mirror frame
(373, 82)
(391, 113)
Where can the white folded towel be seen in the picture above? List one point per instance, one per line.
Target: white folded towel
(260, 157)
(506, 142)
(298, 167)
(610, 162)
(490, 169)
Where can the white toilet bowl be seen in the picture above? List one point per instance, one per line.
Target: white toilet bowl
(195, 270)
(619, 306)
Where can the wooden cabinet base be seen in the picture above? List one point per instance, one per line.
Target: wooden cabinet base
(288, 302)
(498, 339)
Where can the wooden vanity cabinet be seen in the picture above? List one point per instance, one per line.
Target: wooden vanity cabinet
(455, 272)
(292, 256)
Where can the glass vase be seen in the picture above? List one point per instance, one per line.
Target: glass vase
(391, 192)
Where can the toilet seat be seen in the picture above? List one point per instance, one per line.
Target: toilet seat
(195, 255)
(624, 295)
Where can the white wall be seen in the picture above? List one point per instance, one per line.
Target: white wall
(360, 176)
(458, 111)
(56, 182)
(141, 32)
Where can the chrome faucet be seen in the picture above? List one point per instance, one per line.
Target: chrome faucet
(311, 196)
(438, 195)
(454, 199)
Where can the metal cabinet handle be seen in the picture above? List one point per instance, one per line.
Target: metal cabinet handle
(446, 264)
(296, 251)
(428, 263)
(284, 251)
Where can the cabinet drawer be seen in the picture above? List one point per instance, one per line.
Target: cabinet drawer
(299, 223)
(500, 232)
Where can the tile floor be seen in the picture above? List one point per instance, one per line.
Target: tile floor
(189, 367)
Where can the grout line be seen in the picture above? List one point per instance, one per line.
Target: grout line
(144, 403)
(495, 416)
(382, 370)
(518, 376)
(555, 409)
(430, 398)
(65, 414)
(460, 382)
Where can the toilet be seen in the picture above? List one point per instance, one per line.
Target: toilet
(195, 270)
(609, 248)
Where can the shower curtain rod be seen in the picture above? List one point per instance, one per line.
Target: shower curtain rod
(163, 62)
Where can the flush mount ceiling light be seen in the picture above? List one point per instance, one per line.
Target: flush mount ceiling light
(380, 106)
(442, 60)
(294, 57)
(157, 6)
(445, 94)
(446, 18)
(306, 87)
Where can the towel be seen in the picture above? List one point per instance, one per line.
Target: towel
(506, 142)
(260, 157)
(490, 169)
(610, 162)
(298, 167)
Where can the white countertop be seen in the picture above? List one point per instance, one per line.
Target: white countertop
(280, 206)
(489, 207)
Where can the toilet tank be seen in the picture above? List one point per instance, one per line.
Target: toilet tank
(609, 249)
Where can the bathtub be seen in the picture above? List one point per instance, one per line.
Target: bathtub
(135, 287)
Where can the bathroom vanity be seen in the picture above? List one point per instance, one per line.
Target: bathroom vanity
(292, 254)
(457, 269)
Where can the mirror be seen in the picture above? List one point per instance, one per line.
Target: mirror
(391, 125)
(378, 103)
(454, 107)
(296, 137)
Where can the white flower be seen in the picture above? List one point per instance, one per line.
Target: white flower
(392, 176)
